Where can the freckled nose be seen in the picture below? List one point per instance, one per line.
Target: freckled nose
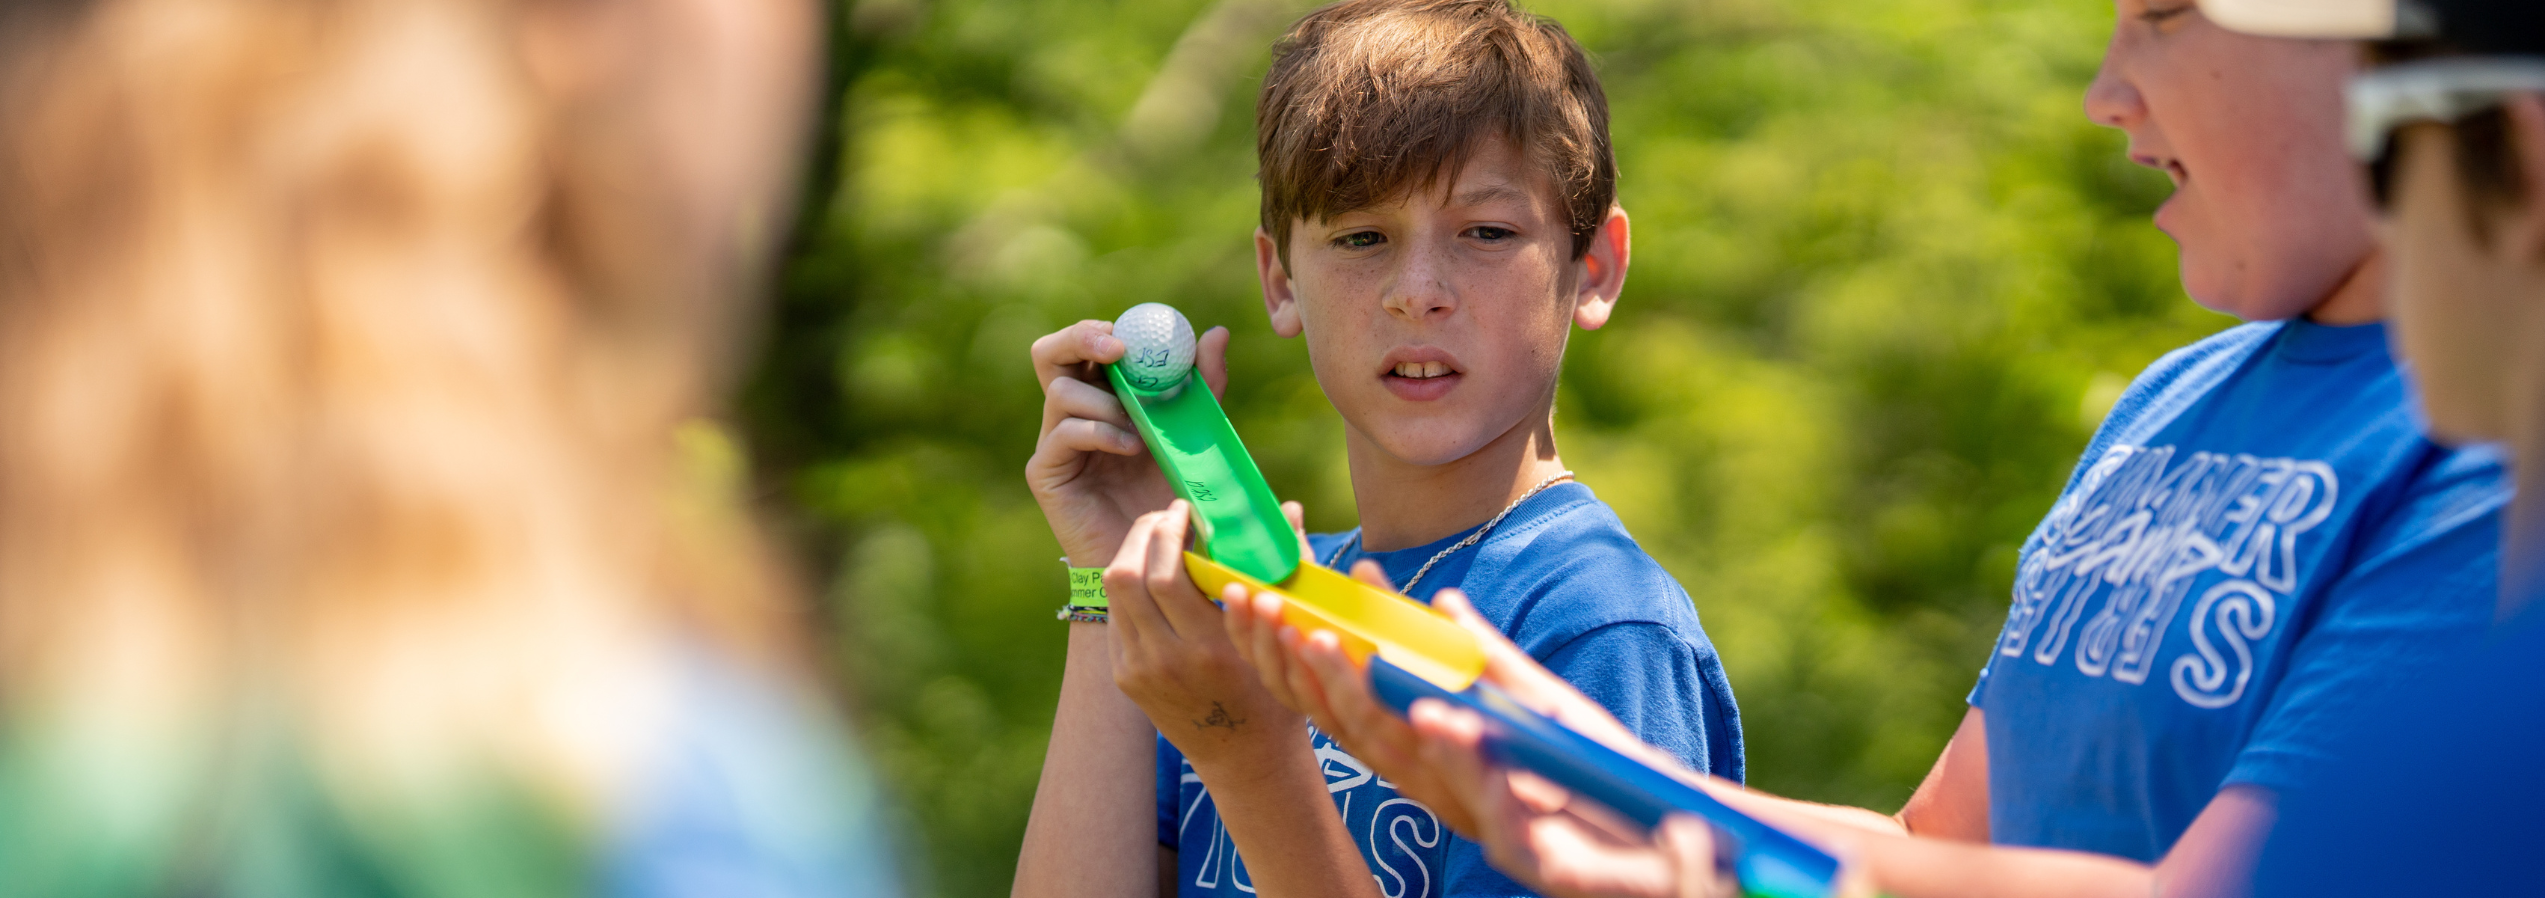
(1421, 289)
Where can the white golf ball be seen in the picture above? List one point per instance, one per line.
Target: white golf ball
(1157, 345)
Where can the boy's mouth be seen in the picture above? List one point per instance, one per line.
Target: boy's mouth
(1421, 374)
(2172, 168)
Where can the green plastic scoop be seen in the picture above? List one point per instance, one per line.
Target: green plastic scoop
(1245, 539)
(1240, 522)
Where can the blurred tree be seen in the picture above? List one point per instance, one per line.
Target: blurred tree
(1887, 280)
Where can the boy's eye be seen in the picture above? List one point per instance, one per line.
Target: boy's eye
(1489, 232)
(2157, 14)
(1360, 239)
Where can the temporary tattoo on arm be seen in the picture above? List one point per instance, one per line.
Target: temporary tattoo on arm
(1219, 719)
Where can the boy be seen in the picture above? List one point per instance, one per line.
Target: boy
(2438, 787)
(1439, 209)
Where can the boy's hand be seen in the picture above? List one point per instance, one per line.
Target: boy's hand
(1172, 656)
(1090, 471)
(1312, 673)
(1296, 668)
(1535, 831)
(1255, 626)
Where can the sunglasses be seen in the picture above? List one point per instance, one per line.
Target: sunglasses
(2438, 91)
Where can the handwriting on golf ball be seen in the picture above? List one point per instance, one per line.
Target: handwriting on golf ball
(1153, 357)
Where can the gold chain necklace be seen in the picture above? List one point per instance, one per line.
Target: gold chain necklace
(1471, 539)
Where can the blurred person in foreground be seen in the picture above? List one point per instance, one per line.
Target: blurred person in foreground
(360, 533)
(2258, 541)
(2441, 786)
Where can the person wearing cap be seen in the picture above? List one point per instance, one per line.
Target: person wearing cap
(2439, 790)
(2258, 540)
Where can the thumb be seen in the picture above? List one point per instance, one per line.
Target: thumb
(1298, 517)
(1498, 647)
(1511, 668)
(1689, 842)
(1369, 572)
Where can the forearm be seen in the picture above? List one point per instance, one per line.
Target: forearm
(2213, 857)
(1911, 867)
(1805, 816)
(1285, 825)
(1093, 829)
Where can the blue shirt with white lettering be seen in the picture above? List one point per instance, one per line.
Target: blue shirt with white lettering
(2258, 541)
(1560, 575)
(2439, 792)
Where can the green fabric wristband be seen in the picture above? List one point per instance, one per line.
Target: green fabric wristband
(1087, 587)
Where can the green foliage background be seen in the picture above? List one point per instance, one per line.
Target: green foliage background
(1886, 280)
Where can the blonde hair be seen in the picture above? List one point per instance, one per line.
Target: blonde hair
(346, 362)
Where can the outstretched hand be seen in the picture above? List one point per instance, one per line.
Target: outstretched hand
(1534, 830)
(1540, 834)
(1311, 674)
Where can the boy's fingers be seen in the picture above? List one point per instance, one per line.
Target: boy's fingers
(1369, 572)
(1505, 824)
(1302, 682)
(1074, 350)
(1449, 743)
(1538, 793)
(1689, 844)
(1068, 397)
(1083, 437)
(1346, 691)
(1506, 664)
(1319, 657)
(1192, 616)
(1254, 641)
(1579, 856)
(1452, 601)
(1210, 353)
(1298, 516)
(1135, 614)
(1262, 613)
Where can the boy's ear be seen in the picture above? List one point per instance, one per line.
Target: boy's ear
(2525, 229)
(1281, 303)
(1602, 273)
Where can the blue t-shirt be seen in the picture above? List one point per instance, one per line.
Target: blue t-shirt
(2439, 792)
(1560, 575)
(752, 790)
(2257, 542)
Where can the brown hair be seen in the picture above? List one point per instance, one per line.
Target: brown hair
(1368, 100)
(353, 363)
(2485, 165)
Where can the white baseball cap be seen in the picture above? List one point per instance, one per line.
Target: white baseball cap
(2487, 49)
(2340, 19)
(2480, 27)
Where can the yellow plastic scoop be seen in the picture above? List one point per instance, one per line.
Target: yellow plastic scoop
(1372, 621)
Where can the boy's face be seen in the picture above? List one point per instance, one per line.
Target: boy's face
(2266, 207)
(1436, 323)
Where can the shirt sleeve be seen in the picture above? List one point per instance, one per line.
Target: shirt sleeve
(2399, 616)
(756, 793)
